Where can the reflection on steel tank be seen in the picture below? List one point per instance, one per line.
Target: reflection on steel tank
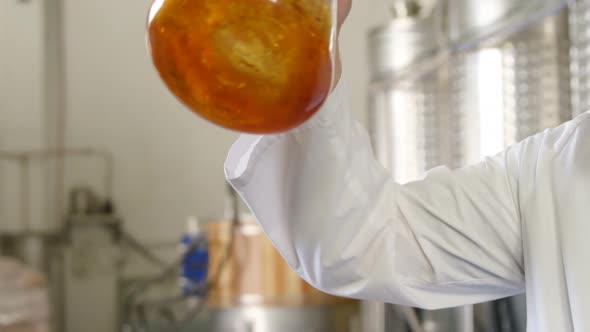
(536, 78)
(579, 28)
(405, 113)
(504, 90)
(408, 112)
(510, 89)
(465, 83)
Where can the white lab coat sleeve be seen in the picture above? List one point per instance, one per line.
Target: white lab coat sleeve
(346, 227)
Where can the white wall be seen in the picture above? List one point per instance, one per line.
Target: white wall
(365, 14)
(168, 161)
(21, 110)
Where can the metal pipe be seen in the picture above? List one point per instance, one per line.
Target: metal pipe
(412, 319)
(61, 111)
(24, 158)
(373, 316)
(24, 179)
(465, 319)
(61, 154)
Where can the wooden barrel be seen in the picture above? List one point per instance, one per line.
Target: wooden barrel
(256, 274)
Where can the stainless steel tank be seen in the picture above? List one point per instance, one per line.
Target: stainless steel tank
(536, 78)
(404, 115)
(504, 90)
(473, 22)
(406, 112)
(407, 139)
(510, 88)
(579, 26)
(504, 76)
(332, 318)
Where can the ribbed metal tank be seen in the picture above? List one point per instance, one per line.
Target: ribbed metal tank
(407, 138)
(579, 25)
(509, 89)
(512, 86)
(405, 118)
(536, 78)
(507, 77)
(504, 92)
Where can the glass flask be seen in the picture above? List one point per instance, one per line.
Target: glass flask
(255, 66)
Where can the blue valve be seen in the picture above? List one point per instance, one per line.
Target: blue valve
(195, 261)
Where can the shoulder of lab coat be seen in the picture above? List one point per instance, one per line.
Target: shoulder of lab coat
(347, 228)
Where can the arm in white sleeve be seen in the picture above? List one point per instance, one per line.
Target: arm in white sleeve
(347, 228)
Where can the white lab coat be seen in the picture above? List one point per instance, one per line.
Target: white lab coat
(517, 221)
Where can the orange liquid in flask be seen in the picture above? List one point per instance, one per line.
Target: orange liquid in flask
(257, 66)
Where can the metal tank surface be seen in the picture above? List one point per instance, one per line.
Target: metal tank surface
(416, 36)
(474, 22)
(502, 92)
(509, 89)
(258, 292)
(579, 28)
(405, 118)
(536, 79)
(333, 318)
(501, 74)
(405, 121)
(407, 139)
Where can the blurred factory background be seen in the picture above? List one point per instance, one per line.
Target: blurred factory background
(113, 203)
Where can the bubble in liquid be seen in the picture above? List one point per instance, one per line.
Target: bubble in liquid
(257, 66)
